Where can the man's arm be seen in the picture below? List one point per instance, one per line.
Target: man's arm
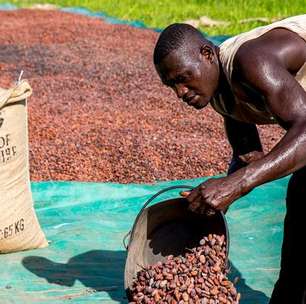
(244, 140)
(286, 100)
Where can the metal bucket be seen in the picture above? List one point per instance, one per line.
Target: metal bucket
(167, 228)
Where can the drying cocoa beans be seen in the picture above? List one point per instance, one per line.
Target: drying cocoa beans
(99, 111)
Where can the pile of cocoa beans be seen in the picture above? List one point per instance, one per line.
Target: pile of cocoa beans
(198, 277)
(99, 111)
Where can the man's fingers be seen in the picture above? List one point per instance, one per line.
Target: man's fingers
(194, 200)
(185, 193)
(207, 210)
(193, 195)
(192, 204)
(210, 212)
(196, 203)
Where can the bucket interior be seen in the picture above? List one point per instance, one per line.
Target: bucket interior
(168, 228)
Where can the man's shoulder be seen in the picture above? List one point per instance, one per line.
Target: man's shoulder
(241, 51)
(265, 49)
(249, 59)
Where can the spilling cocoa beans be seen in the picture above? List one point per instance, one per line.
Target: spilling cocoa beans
(198, 277)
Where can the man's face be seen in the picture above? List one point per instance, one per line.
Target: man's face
(192, 75)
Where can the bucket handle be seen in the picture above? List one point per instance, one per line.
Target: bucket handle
(146, 204)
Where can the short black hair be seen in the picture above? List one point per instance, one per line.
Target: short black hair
(175, 36)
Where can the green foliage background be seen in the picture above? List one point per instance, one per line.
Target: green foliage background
(158, 13)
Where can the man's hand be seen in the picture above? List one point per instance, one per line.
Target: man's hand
(219, 193)
(216, 193)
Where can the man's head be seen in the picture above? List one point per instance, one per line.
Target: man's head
(188, 63)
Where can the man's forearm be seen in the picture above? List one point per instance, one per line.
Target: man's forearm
(286, 157)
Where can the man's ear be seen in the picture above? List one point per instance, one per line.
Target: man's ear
(208, 52)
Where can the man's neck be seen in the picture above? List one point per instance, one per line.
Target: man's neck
(223, 86)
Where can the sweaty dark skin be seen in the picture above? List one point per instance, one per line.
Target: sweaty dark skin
(264, 72)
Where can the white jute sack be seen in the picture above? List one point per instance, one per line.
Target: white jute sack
(19, 227)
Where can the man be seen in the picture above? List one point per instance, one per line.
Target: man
(253, 78)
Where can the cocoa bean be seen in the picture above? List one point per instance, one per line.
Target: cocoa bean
(194, 278)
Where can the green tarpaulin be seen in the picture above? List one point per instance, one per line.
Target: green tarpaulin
(86, 222)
